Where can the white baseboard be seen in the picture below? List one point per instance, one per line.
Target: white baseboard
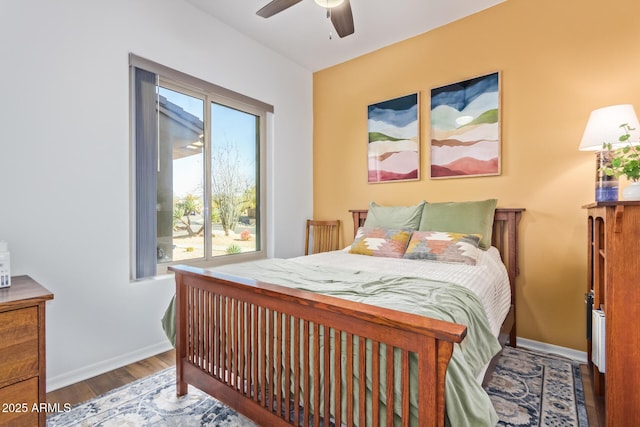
(579, 356)
(81, 374)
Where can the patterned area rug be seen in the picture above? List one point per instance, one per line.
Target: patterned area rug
(527, 389)
(150, 401)
(535, 389)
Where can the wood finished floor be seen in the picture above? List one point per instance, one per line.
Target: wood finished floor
(92, 387)
(595, 406)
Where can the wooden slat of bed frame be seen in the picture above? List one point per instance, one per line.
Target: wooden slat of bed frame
(362, 391)
(337, 377)
(390, 376)
(375, 387)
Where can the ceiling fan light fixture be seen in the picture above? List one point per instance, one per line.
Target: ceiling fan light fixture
(338, 11)
(328, 4)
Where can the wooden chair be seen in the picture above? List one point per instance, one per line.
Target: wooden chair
(322, 236)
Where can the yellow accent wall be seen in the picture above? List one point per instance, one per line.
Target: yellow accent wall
(558, 61)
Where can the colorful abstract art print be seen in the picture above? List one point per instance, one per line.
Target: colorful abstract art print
(465, 128)
(394, 140)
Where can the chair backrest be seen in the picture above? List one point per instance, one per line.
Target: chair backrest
(322, 236)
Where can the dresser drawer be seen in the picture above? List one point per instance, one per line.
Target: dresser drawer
(18, 344)
(17, 402)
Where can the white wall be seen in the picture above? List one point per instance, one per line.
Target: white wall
(64, 159)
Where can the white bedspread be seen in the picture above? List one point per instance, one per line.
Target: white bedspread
(488, 278)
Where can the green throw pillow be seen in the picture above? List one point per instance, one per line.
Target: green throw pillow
(394, 216)
(461, 217)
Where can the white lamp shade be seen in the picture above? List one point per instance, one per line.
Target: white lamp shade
(604, 126)
(329, 3)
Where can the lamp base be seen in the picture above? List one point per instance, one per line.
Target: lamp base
(606, 185)
(606, 194)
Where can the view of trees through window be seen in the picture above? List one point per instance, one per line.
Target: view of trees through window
(208, 178)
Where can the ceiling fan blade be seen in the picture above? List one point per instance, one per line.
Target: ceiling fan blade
(276, 6)
(342, 19)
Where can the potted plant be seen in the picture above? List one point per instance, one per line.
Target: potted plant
(625, 160)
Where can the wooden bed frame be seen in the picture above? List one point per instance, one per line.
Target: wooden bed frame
(224, 323)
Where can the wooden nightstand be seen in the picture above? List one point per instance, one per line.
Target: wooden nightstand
(613, 264)
(22, 353)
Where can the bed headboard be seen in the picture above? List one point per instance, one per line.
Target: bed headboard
(505, 237)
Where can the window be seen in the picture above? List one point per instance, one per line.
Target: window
(199, 155)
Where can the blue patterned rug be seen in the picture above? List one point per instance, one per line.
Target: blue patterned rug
(527, 389)
(535, 389)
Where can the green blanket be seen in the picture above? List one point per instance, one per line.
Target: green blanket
(467, 404)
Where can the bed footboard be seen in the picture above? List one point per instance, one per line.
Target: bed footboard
(270, 352)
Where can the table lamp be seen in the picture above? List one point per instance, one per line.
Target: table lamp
(604, 125)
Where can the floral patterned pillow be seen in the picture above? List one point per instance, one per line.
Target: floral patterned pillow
(377, 241)
(444, 246)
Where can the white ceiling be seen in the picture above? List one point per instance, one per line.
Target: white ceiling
(301, 32)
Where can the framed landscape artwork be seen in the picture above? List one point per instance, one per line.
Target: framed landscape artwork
(465, 128)
(394, 140)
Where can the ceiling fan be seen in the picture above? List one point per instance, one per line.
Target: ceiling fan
(339, 11)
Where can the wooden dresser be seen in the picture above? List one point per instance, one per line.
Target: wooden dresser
(614, 275)
(22, 353)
